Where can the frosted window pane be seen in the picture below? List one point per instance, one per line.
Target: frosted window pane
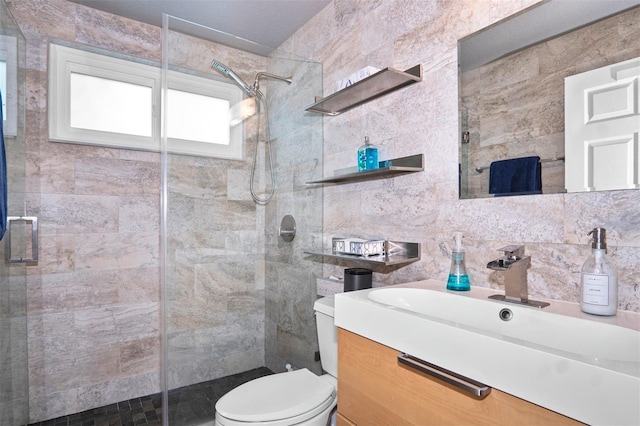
(110, 106)
(197, 118)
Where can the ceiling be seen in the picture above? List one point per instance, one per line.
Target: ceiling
(266, 23)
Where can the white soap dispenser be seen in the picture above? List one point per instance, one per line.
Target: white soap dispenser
(598, 278)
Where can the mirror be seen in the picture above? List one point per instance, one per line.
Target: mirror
(512, 85)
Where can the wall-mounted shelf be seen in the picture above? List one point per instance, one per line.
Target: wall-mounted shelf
(396, 166)
(396, 253)
(376, 85)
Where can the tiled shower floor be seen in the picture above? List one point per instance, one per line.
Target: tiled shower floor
(188, 406)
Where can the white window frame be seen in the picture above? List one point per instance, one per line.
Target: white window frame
(203, 86)
(63, 61)
(9, 54)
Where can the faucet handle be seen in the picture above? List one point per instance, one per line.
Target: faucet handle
(513, 251)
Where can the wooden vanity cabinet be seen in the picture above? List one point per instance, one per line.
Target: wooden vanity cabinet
(375, 389)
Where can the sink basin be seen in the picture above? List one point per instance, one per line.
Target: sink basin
(585, 368)
(565, 336)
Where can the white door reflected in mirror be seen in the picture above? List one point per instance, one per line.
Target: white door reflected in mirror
(602, 128)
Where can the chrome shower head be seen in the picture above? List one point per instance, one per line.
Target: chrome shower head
(226, 71)
(256, 82)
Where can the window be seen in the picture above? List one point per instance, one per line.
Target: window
(9, 84)
(199, 117)
(96, 103)
(101, 100)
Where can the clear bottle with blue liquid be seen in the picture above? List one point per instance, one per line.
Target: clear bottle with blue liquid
(367, 156)
(458, 278)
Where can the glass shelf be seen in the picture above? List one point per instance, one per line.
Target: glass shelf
(396, 166)
(379, 84)
(401, 253)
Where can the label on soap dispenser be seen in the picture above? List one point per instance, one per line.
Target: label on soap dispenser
(595, 289)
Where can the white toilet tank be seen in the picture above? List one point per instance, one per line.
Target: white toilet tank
(327, 335)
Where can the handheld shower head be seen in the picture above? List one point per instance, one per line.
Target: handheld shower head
(226, 71)
(255, 93)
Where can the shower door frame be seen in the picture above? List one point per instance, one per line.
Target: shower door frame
(14, 368)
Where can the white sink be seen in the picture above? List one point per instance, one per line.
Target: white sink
(582, 366)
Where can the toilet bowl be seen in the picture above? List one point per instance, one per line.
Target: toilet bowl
(293, 398)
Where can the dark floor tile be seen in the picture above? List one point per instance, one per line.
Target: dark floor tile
(152, 415)
(188, 406)
(114, 419)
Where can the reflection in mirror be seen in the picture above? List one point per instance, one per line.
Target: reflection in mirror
(512, 101)
(602, 125)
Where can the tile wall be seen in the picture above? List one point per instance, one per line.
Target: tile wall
(423, 118)
(290, 276)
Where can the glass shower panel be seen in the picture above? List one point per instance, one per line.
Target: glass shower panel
(237, 298)
(14, 389)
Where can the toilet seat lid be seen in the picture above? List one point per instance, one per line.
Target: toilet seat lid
(276, 397)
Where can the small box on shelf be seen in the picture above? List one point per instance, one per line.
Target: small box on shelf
(358, 246)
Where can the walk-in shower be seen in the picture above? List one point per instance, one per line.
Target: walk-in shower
(254, 91)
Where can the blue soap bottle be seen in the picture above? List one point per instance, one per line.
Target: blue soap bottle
(458, 278)
(367, 156)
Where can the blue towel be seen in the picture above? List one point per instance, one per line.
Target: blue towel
(517, 176)
(3, 178)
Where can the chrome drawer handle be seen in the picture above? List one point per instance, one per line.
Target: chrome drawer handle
(476, 389)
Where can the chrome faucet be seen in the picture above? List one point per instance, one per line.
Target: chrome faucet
(513, 266)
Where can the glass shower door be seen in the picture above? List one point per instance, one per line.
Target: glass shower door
(237, 298)
(14, 382)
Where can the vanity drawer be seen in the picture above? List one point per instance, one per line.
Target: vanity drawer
(375, 389)
(343, 421)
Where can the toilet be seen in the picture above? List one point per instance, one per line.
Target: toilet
(298, 397)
